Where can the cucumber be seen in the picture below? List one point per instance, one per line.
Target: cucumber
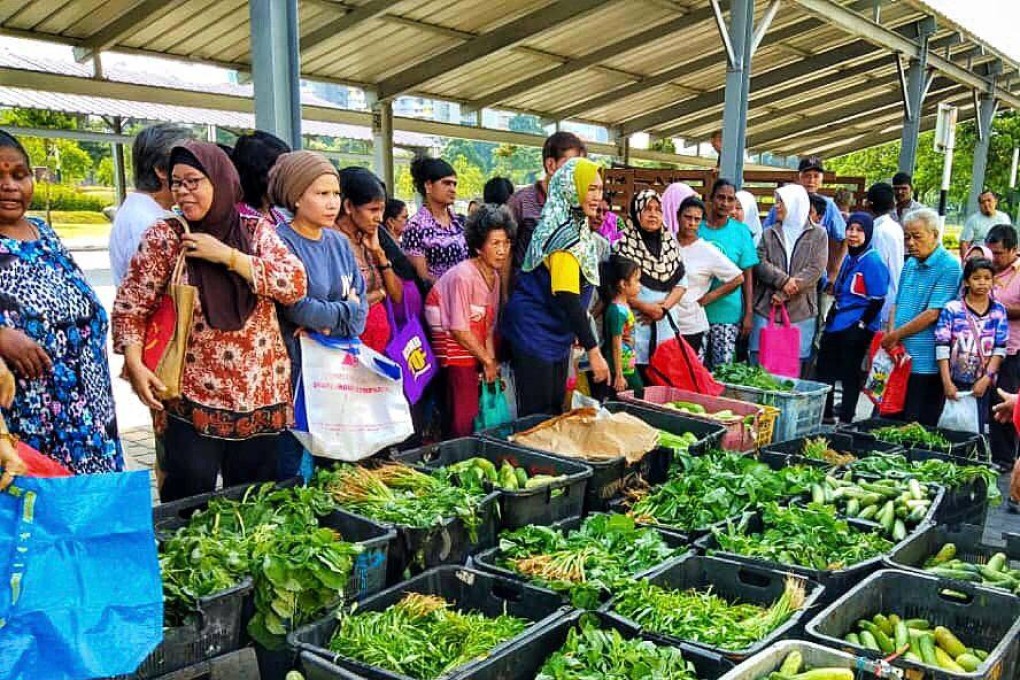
(918, 624)
(853, 507)
(968, 662)
(792, 663)
(958, 574)
(945, 639)
(902, 637)
(947, 662)
(899, 531)
(926, 648)
(868, 641)
(817, 494)
(998, 561)
(915, 489)
(522, 477)
(869, 512)
(945, 553)
(853, 638)
(884, 624)
(993, 575)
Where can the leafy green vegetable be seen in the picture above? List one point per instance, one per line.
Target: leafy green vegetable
(604, 551)
(421, 636)
(399, 494)
(752, 376)
(914, 435)
(195, 566)
(811, 537)
(591, 653)
(707, 489)
(702, 616)
(947, 473)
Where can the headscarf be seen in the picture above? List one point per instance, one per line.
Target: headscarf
(562, 226)
(227, 299)
(293, 173)
(979, 250)
(867, 223)
(795, 198)
(751, 217)
(657, 252)
(672, 197)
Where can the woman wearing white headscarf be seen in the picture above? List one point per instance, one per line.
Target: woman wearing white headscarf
(746, 211)
(793, 253)
(675, 194)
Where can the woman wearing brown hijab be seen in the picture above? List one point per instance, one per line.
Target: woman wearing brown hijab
(236, 395)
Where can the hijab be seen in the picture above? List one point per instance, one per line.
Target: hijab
(672, 197)
(795, 198)
(563, 226)
(867, 223)
(979, 250)
(227, 299)
(657, 252)
(751, 217)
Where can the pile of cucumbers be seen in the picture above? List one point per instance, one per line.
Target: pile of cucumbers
(793, 668)
(690, 408)
(475, 472)
(896, 505)
(914, 640)
(994, 574)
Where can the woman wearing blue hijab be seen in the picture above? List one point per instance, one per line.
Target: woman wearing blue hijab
(860, 290)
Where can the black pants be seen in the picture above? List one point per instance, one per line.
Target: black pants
(1002, 436)
(541, 385)
(696, 341)
(925, 399)
(194, 460)
(839, 360)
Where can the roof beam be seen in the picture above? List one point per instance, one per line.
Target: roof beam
(593, 58)
(127, 23)
(345, 22)
(496, 40)
(855, 24)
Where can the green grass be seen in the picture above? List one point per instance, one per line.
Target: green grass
(72, 216)
(97, 232)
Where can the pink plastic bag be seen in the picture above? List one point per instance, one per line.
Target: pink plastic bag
(779, 346)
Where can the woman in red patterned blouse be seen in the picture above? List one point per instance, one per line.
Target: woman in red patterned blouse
(236, 396)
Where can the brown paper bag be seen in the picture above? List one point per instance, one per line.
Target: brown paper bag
(582, 434)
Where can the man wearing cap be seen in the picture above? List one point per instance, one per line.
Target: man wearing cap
(903, 190)
(980, 223)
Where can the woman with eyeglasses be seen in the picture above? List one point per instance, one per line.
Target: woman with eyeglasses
(236, 393)
(52, 335)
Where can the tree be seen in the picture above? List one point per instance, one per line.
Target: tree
(64, 157)
(470, 179)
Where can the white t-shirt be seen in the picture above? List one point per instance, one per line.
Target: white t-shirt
(888, 242)
(704, 263)
(138, 212)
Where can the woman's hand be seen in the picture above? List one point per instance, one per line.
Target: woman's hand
(951, 391)
(24, 354)
(1003, 411)
(203, 246)
(890, 340)
(490, 370)
(10, 461)
(778, 299)
(146, 385)
(599, 367)
(649, 312)
(374, 247)
(981, 386)
(620, 383)
(746, 324)
(791, 288)
(7, 386)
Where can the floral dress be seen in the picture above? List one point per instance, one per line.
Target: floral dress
(442, 247)
(67, 415)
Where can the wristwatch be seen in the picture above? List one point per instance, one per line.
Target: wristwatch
(384, 267)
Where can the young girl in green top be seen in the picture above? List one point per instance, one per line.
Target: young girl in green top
(621, 281)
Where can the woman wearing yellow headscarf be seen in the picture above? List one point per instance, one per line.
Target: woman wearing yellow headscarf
(547, 310)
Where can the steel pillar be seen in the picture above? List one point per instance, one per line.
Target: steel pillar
(275, 61)
(985, 114)
(738, 85)
(382, 142)
(915, 86)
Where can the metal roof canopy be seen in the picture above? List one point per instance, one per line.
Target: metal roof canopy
(662, 70)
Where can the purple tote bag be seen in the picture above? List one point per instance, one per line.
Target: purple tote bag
(409, 348)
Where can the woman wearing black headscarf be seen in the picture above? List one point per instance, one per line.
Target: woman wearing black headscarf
(663, 283)
(236, 395)
(860, 289)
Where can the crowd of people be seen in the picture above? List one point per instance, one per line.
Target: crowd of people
(547, 281)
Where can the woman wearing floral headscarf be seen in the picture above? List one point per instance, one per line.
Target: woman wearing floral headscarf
(663, 281)
(547, 309)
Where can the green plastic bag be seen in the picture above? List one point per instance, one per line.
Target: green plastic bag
(493, 409)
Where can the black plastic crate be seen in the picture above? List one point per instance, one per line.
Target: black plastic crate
(734, 582)
(612, 476)
(543, 505)
(216, 631)
(965, 447)
(836, 582)
(368, 575)
(789, 452)
(488, 560)
(970, 547)
(466, 589)
(531, 652)
(175, 514)
(981, 618)
(240, 663)
(815, 656)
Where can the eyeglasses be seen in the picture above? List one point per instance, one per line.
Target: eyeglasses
(190, 183)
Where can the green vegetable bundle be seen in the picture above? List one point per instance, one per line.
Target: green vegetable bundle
(792, 668)
(895, 504)
(947, 473)
(474, 473)
(752, 376)
(591, 653)
(914, 435)
(995, 573)
(702, 616)
(811, 537)
(680, 443)
(421, 636)
(401, 495)
(604, 551)
(914, 640)
(196, 566)
(707, 489)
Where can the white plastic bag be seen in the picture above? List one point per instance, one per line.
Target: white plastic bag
(349, 402)
(961, 414)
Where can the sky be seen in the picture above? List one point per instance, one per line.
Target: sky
(994, 21)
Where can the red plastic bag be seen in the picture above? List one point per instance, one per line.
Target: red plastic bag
(39, 465)
(675, 364)
(888, 375)
(780, 346)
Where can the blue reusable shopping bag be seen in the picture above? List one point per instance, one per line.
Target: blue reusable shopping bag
(80, 589)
